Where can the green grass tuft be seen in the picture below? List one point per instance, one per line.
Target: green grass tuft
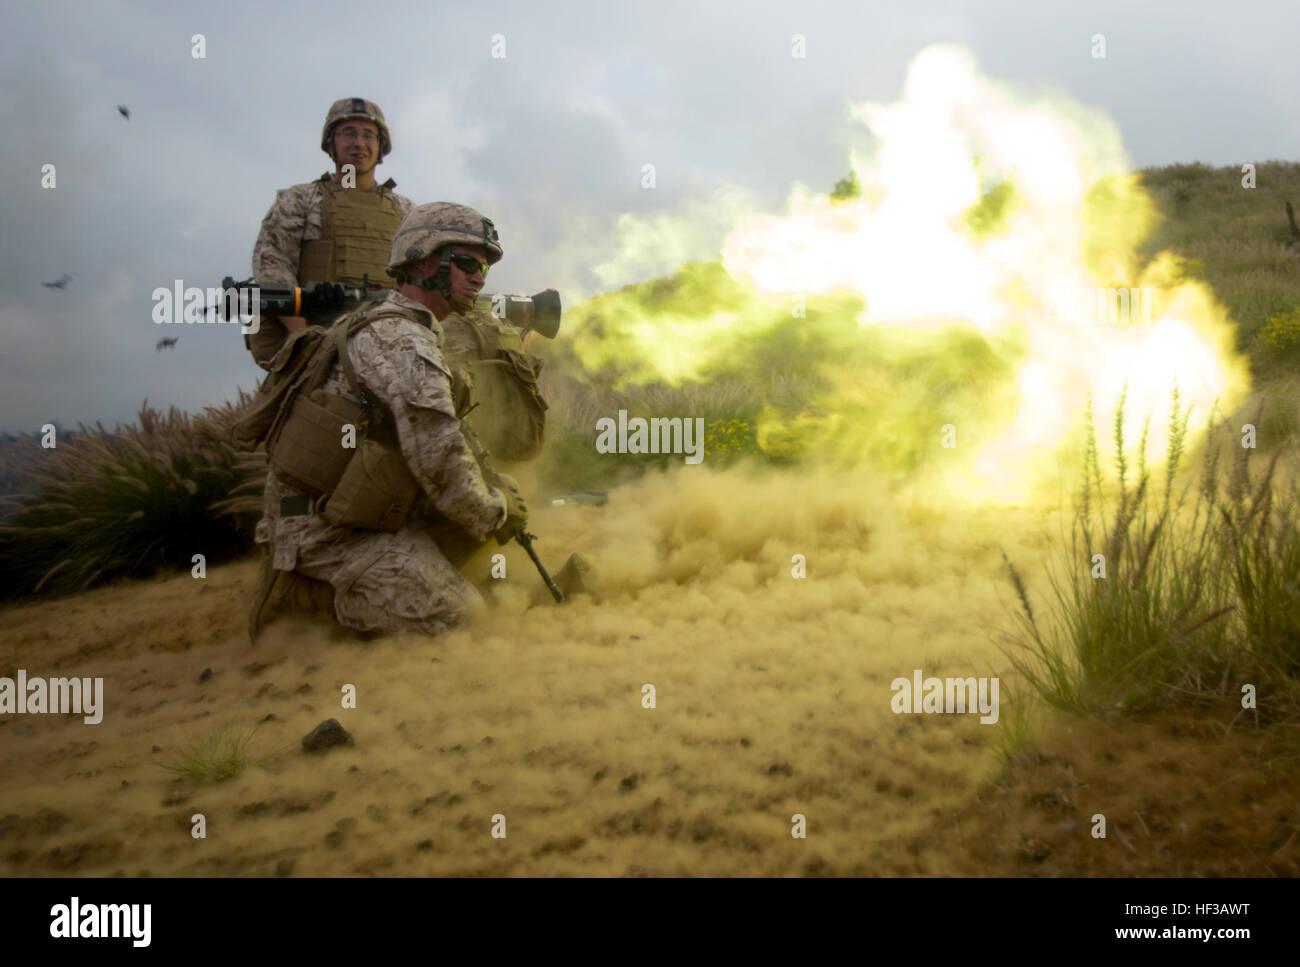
(218, 757)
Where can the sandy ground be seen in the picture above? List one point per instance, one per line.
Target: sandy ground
(772, 699)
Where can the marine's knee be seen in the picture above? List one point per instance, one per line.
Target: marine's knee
(407, 591)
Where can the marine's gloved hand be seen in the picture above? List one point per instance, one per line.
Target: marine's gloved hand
(516, 509)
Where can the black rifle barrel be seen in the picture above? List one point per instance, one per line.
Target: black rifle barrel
(526, 541)
(524, 538)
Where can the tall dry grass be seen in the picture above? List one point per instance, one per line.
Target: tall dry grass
(103, 504)
(1200, 593)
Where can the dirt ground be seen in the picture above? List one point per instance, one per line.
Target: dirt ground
(772, 698)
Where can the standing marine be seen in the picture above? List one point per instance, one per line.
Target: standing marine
(336, 228)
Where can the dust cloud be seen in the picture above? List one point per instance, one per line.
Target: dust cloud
(771, 698)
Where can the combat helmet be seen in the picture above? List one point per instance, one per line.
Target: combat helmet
(356, 107)
(429, 227)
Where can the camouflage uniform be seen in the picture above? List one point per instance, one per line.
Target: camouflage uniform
(293, 219)
(295, 225)
(401, 580)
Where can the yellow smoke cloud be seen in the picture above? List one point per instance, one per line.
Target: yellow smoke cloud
(992, 271)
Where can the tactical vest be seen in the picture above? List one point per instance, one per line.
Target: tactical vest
(509, 414)
(357, 229)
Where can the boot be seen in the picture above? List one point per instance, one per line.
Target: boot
(308, 595)
(289, 592)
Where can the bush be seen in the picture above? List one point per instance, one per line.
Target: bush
(1197, 600)
(104, 505)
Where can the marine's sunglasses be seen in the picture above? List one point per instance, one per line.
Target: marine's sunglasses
(468, 264)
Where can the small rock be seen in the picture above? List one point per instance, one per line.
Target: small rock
(354, 768)
(629, 782)
(269, 717)
(285, 866)
(1034, 850)
(424, 845)
(487, 740)
(157, 748)
(746, 743)
(328, 733)
(780, 768)
(347, 822)
(205, 675)
(334, 839)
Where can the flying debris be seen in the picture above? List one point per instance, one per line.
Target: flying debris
(125, 111)
(166, 343)
(59, 283)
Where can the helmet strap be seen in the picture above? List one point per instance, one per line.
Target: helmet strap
(439, 282)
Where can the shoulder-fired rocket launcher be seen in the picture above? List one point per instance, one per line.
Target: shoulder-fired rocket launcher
(321, 302)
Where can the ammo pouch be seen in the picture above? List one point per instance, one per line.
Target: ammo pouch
(308, 454)
(376, 489)
(375, 492)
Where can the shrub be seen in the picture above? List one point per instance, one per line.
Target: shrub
(1198, 598)
(104, 505)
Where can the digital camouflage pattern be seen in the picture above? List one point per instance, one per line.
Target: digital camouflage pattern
(294, 218)
(402, 580)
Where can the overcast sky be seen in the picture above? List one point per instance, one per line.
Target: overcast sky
(549, 140)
